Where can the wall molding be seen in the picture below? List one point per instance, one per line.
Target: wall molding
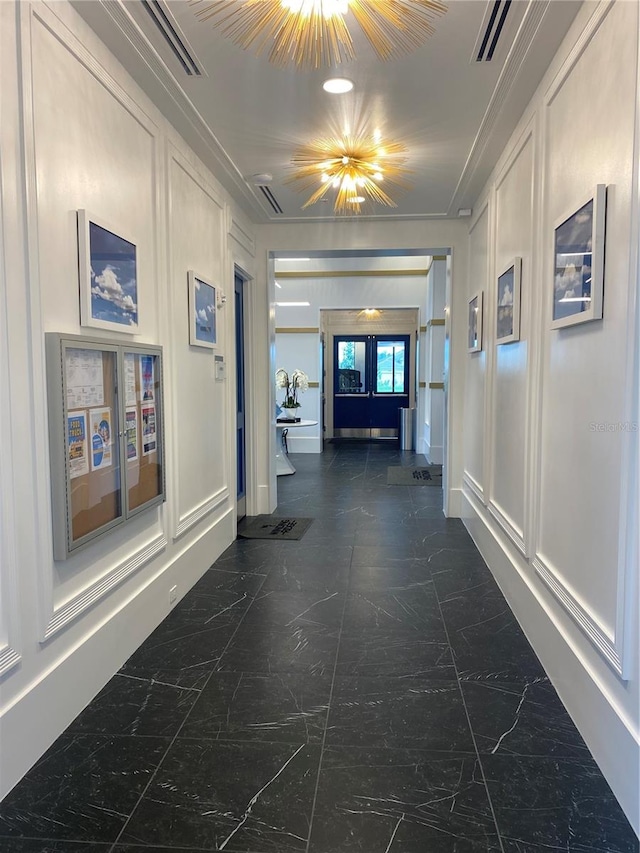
(240, 234)
(506, 523)
(297, 330)
(193, 516)
(473, 485)
(68, 612)
(603, 642)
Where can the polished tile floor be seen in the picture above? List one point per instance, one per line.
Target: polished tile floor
(363, 690)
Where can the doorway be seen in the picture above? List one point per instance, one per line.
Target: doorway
(371, 381)
(241, 448)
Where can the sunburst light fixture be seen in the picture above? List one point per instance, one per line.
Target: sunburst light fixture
(354, 167)
(315, 33)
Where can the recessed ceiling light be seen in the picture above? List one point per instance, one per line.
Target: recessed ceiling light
(337, 85)
(292, 304)
(356, 199)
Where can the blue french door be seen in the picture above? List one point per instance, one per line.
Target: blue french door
(370, 384)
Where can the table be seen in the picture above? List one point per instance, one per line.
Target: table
(283, 463)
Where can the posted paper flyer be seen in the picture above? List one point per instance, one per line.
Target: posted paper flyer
(131, 432)
(148, 429)
(84, 378)
(130, 398)
(147, 377)
(77, 456)
(100, 421)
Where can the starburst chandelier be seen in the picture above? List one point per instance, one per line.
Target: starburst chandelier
(354, 167)
(314, 33)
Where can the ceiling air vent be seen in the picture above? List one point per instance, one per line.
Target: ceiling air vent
(489, 38)
(170, 32)
(273, 201)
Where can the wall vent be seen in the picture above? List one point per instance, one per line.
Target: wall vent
(273, 201)
(488, 40)
(176, 41)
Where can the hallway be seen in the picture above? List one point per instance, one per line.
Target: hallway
(364, 689)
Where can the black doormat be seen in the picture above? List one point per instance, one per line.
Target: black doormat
(399, 475)
(273, 527)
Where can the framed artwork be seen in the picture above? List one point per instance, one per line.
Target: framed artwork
(508, 304)
(475, 323)
(202, 312)
(108, 277)
(578, 275)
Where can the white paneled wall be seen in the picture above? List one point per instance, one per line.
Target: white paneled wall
(92, 140)
(549, 488)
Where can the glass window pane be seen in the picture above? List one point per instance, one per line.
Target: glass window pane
(93, 460)
(351, 367)
(390, 367)
(142, 428)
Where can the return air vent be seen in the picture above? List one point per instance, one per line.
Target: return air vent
(273, 201)
(490, 36)
(176, 41)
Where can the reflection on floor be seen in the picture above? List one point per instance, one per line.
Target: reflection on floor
(363, 690)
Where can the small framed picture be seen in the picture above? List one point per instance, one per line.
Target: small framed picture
(108, 276)
(202, 312)
(508, 304)
(475, 323)
(578, 276)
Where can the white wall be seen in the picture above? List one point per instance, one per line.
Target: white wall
(93, 140)
(552, 501)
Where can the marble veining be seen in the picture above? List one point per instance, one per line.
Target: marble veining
(365, 689)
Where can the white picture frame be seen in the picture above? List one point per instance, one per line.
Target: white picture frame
(508, 303)
(578, 257)
(108, 275)
(203, 310)
(474, 335)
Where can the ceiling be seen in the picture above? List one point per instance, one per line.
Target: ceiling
(244, 117)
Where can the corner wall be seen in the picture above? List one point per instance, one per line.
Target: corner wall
(551, 421)
(76, 132)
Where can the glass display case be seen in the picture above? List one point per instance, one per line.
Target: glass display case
(105, 435)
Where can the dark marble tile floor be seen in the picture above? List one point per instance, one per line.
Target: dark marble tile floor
(363, 690)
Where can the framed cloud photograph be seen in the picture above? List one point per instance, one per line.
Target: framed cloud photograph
(578, 276)
(108, 276)
(475, 323)
(202, 312)
(508, 304)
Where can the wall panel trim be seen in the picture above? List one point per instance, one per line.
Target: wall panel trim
(192, 517)
(68, 612)
(603, 642)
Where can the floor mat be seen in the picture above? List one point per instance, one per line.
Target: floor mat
(273, 527)
(398, 475)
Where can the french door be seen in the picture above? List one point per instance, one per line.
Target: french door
(370, 383)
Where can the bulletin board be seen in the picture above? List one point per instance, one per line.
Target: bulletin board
(105, 435)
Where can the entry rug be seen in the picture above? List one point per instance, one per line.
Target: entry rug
(273, 527)
(398, 475)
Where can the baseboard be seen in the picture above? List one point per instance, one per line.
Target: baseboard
(455, 503)
(72, 682)
(612, 740)
(304, 444)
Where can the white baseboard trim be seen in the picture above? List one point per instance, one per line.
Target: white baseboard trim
(304, 444)
(607, 730)
(455, 503)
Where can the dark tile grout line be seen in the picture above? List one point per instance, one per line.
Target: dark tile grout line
(182, 724)
(466, 711)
